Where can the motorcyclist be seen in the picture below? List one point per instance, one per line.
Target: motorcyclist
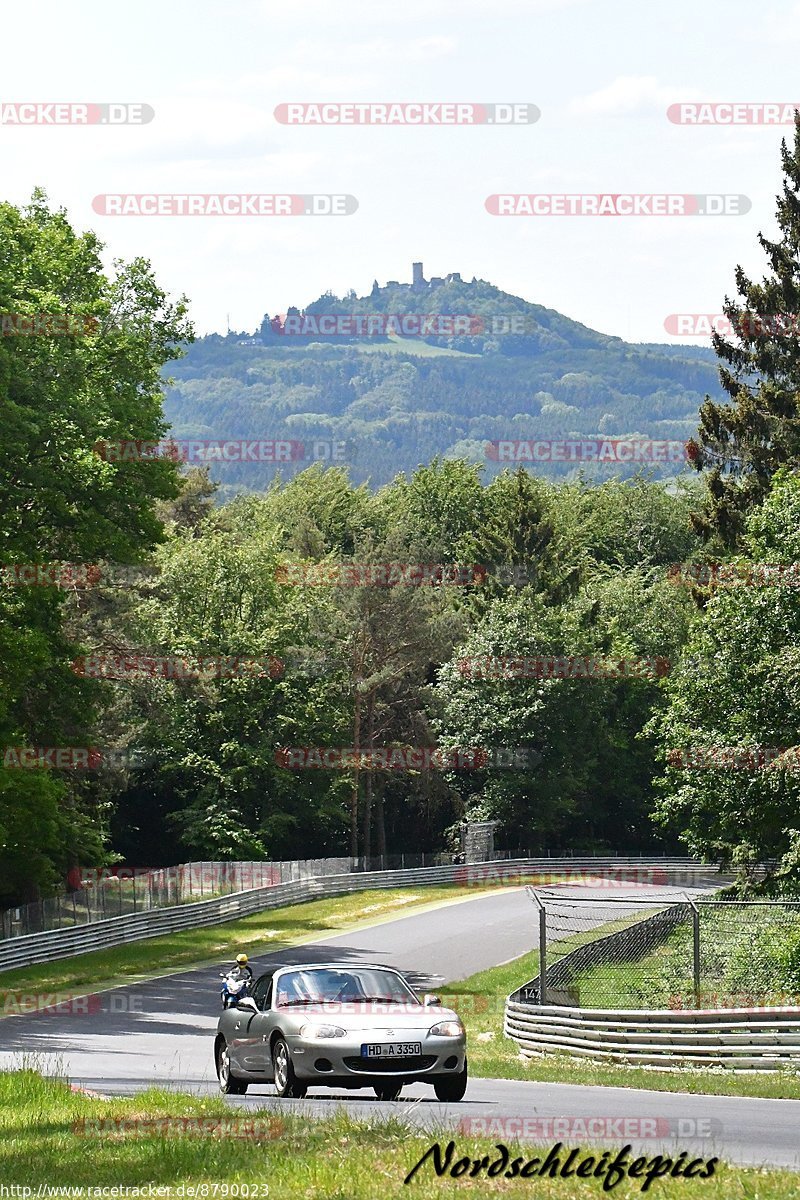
(241, 970)
(236, 981)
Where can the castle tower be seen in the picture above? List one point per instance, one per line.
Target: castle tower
(418, 277)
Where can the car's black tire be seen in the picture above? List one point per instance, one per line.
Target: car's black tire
(389, 1090)
(451, 1088)
(227, 1084)
(286, 1082)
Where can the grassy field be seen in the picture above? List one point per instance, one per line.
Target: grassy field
(415, 346)
(53, 1137)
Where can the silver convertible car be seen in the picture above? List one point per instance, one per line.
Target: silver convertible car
(339, 1025)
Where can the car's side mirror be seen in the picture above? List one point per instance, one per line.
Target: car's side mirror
(248, 1004)
(429, 999)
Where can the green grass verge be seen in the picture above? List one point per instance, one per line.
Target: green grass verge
(51, 1137)
(219, 943)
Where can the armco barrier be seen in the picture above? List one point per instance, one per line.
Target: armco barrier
(737, 1038)
(98, 935)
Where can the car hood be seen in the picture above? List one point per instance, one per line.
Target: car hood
(382, 1017)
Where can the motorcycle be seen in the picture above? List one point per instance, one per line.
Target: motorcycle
(232, 989)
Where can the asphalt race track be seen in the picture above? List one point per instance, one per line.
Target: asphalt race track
(161, 1033)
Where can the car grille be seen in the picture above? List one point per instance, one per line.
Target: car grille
(375, 1066)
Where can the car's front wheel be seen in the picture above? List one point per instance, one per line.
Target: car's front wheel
(227, 1084)
(286, 1082)
(388, 1091)
(451, 1088)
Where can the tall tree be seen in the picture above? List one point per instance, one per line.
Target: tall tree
(96, 376)
(729, 734)
(744, 442)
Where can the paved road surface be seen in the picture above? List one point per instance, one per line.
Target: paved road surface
(160, 1032)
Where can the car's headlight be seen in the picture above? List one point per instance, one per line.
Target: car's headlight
(322, 1031)
(447, 1029)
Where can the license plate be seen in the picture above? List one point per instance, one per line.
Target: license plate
(390, 1049)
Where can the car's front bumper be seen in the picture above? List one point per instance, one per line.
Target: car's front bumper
(340, 1059)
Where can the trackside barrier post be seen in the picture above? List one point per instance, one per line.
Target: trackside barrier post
(543, 954)
(542, 945)
(695, 951)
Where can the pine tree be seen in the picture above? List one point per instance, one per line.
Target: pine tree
(744, 442)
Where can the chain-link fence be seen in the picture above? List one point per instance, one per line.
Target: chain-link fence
(631, 952)
(101, 893)
(98, 894)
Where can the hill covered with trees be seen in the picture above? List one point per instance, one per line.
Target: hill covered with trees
(485, 367)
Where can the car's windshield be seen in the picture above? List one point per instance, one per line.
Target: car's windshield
(331, 985)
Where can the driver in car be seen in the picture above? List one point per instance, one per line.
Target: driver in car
(345, 987)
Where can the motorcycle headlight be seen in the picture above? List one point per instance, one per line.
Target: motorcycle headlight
(321, 1031)
(447, 1029)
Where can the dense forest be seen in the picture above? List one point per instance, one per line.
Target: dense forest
(390, 402)
(282, 667)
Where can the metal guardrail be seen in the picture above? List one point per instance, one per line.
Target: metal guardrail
(737, 1038)
(762, 1038)
(96, 894)
(115, 931)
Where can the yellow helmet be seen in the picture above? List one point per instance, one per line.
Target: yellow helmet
(241, 959)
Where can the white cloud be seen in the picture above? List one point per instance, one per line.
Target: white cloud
(627, 96)
(777, 27)
(422, 49)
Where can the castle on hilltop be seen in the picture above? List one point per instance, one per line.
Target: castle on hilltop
(419, 282)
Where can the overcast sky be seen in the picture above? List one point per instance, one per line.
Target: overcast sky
(602, 74)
